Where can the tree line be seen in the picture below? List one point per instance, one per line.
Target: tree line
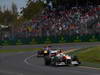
(32, 9)
(14, 18)
(8, 17)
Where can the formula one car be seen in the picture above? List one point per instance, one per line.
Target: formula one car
(45, 51)
(61, 59)
(42, 53)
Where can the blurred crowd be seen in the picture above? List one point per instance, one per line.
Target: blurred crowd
(74, 21)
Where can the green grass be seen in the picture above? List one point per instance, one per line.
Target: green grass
(20, 50)
(89, 56)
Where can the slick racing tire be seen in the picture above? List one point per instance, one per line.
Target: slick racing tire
(47, 60)
(68, 62)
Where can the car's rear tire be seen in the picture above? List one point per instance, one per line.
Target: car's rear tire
(68, 62)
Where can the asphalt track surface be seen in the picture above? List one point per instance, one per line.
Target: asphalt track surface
(26, 63)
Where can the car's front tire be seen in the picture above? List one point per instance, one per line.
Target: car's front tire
(47, 60)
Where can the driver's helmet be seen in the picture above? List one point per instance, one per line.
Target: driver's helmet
(47, 47)
(60, 51)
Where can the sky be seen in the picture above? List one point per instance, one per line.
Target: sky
(8, 3)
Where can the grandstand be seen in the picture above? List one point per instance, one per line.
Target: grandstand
(73, 21)
(66, 18)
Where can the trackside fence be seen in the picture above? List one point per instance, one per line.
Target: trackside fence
(51, 39)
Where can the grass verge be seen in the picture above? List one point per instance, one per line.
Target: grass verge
(89, 56)
(20, 50)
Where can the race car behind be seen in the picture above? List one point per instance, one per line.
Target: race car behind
(44, 51)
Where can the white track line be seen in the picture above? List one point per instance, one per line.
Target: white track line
(86, 67)
(26, 59)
